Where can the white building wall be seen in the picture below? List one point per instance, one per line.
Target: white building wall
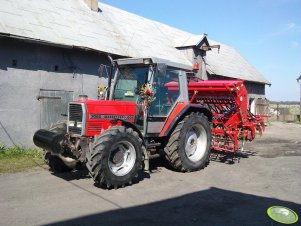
(20, 84)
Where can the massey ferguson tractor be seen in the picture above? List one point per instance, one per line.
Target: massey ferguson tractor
(153, 105)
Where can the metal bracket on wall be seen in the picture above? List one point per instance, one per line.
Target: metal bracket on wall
(207, 48)
(48, 97)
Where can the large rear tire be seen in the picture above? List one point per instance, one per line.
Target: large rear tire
(115, 157)
(188, 147)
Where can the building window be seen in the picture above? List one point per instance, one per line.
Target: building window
(14, 63)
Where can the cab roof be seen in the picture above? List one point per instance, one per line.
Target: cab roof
(152, 60)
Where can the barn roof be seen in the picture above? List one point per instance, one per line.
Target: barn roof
(229, 62)
(71, 23)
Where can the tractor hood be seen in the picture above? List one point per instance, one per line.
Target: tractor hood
(107, 107)
(89, 117)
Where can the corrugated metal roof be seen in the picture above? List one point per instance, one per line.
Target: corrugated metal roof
(64, 22)
(141, 37)
(72, 23)
(229, 63)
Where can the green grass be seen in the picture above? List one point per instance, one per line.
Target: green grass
(16, 159)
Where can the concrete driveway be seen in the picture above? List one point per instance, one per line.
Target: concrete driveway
(222, 194)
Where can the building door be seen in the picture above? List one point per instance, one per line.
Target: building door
(54, 106)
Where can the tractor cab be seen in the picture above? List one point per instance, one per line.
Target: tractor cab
(145, 82)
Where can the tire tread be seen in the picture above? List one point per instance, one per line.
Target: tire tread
(172, 148)
(96, 155)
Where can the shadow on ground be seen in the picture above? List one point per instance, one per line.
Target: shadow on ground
(84, 174)
(155, 167)
(231, 158)
(74, 175)
(209, 207)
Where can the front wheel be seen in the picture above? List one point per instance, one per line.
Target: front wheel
(188, 148)
(115, 158)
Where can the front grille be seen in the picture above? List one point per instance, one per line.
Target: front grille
(94, 127)
(76, 121)
(75, 112)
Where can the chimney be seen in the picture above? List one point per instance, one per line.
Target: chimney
(92, 4)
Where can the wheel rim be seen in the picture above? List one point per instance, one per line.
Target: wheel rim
(122, 158)
(196, 143)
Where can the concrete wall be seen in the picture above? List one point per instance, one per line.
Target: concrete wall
(25, 69)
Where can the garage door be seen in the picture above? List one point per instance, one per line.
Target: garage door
(53, 106)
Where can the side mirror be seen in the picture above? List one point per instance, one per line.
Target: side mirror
(104, 71)
(161, 70)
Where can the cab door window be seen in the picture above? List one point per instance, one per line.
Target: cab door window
(166, 90)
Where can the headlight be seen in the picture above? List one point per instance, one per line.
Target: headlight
(79, 124)
(71, 123)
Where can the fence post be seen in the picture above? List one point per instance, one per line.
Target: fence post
(277, 112)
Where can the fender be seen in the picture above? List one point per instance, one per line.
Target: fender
(179, 112)
(131, 125)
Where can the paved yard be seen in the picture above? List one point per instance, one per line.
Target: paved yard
(222, 194)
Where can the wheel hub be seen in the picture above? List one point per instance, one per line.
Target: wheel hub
(195, 143)
(191, 143)
(122, 158)
(117, 157)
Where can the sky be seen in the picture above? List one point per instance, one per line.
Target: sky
(266, 32)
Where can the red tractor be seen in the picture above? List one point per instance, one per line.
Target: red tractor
(152, 105)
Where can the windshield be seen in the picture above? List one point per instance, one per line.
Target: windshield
(130, 79)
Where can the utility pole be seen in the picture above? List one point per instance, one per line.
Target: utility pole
(299, 81)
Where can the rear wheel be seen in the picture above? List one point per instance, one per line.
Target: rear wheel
(115, 158)
(188, 148)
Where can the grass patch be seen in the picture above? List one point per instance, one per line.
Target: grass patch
(16, 159)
